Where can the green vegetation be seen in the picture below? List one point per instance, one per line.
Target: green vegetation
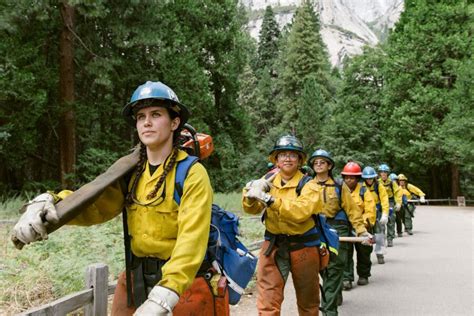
(406, 102)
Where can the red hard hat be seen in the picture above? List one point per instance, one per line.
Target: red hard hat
(351, 169)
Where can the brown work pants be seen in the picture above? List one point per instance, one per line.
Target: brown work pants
(273, 271)
(197, 300)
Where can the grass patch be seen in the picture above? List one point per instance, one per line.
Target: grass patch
(9, 208)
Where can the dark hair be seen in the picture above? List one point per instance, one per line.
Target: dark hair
(169, 163)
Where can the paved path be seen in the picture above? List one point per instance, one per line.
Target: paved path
(429, 273)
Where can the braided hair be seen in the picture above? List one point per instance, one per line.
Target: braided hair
(169, 164)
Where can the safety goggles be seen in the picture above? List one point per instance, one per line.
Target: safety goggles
(320, 162)
(290, 156)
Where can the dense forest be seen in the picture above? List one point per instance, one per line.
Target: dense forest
(67, 68)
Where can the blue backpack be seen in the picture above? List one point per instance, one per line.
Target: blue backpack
(224, 250)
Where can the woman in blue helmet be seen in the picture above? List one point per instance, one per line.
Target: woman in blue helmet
(168, 241)
(394, 198)
(344, 215)
(382, 205)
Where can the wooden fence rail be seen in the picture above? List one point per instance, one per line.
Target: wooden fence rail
(94, 298)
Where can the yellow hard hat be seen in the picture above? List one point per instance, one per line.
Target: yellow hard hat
(402, 177)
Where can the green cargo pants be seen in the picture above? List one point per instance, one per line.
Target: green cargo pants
(391, 221)
(363, 262)
(409, 213)
(333, 274)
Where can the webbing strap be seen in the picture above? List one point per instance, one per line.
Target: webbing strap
(292, 238)
(182, 169)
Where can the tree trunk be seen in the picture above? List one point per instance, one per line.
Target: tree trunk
(67, 123)
(435, 183)
(455, 184)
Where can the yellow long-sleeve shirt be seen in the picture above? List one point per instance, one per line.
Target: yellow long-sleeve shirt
(381, 197)
(411, 189)
(162, 229)
(289, 214)
(393, 190)
(332, 205)
(366, 204)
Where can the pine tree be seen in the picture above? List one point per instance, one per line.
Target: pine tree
(357, 124)
(269, 36)
(304, 61)
(429, 43)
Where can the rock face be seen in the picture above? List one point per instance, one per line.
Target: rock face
(346, 25)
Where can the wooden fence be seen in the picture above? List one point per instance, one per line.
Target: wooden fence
(94, 298)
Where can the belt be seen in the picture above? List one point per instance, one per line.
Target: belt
(285, 240)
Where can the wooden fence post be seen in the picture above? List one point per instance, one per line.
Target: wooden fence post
(97, 276)
(461, 201)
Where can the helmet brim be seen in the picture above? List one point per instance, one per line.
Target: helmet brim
(311, 161)
(351, 174)
(369, 176)
(274, 153)
(180, 109)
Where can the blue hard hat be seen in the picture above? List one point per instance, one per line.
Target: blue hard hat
(320, 153)
(287, 142)
(384, 168)
(393, 176)
(369, 173)
(156, 91)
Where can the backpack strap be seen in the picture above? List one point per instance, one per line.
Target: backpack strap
(301, 184)
(182, 170)
(299, 187)
(341, 214)
(376, 188)
(362, 191)
(338, 186)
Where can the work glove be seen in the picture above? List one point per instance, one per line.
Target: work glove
(260, 184)
(422, 199)
(397, 207)
(160, 302)
(384, 219)
(256, 193)
(368, 241)
(31, 226)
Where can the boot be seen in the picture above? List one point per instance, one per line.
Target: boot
(409, 232)
(380, 259)
(389, 243)
(363, 281)
(400, 234)
(339, 300)
(346, 285)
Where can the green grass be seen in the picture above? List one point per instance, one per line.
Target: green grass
(47, 270)
(9, 209)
